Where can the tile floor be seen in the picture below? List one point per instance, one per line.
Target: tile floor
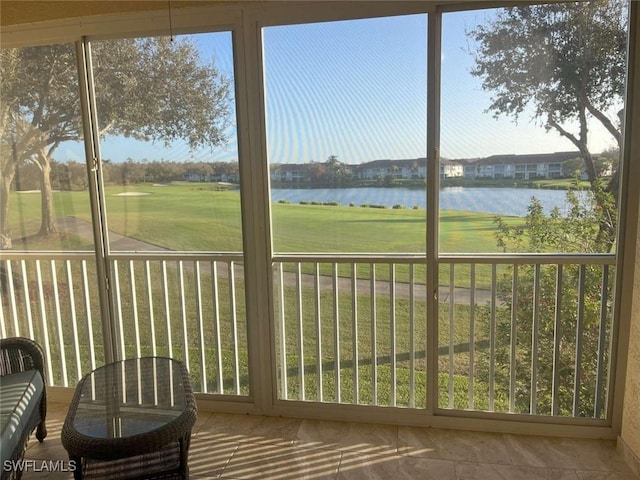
(235, 447)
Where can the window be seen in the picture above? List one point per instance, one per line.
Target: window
(346, 112)
(166, 115)
(167, 122)
(44, 206)
(44, 202)
(534, 331)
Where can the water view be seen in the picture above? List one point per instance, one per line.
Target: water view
(497, 201)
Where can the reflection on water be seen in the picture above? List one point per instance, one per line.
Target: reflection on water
(499, 201)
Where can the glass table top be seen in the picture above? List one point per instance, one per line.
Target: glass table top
(130, 397)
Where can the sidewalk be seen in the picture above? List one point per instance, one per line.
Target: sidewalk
(120, 243)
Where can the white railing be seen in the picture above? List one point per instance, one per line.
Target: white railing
(522, 334)
(526, 334)
(332, 316)
(185, 306)
(52, 297)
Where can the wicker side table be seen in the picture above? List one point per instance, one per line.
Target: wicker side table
(131, 419)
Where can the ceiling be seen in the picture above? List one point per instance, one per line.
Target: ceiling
(16, 12)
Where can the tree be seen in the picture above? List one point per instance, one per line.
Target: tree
(536, 296)
(149, 89)
(336, 171)
(317, 172)
(566, 63)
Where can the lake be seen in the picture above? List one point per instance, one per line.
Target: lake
(497, 201)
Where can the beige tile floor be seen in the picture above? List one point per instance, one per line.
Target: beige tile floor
(235, 447)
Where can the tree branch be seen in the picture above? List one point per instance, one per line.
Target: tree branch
(566, 134)
(104, 130)
(605, 121)
(591, 171)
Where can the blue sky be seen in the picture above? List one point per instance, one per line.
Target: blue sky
(357, 89)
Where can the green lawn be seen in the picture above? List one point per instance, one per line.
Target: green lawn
(196, 217)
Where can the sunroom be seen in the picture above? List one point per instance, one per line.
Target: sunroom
(140, 216)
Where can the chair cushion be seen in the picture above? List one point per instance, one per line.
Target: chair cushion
(19, 397)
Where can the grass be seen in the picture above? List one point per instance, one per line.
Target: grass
(189, 217)
(200, 219)
(194, 217)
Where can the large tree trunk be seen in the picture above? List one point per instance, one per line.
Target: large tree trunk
(607, 229)
(47, 221)
(5, 185)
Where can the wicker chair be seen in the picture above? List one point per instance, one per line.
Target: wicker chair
(21, 358)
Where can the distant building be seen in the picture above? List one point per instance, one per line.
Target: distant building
(451, 168)
(525, 167)
(397, 169)
(289, 172)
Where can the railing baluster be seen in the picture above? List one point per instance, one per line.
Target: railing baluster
(27, 298)
(452, 326)
(74, 319)
(56, 299)
(535, 327)
(87, 306)
(140, 379)
(579, 335)
(374, 339)
(172, 393)
(216, 326)
(167, 310)
(300, 331)
(134, 307)
(45, 323)
(316, 292)
(12, 298)
(412, 341)
(156, 384)
(123, 386)
(556, 344)
(336, 333)
(152, 320)
(472, 335)
(183, 309)
(392, 331)
(602, 347)
(198, 292)
(514, 340)
(354, 309)
(116, 283)
(492, 340)
(283, 339)
(3, 328)
(234, 328)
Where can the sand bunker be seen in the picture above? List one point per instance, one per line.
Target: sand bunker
(131, 194)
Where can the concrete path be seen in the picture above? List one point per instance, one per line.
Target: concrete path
(120, 243)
